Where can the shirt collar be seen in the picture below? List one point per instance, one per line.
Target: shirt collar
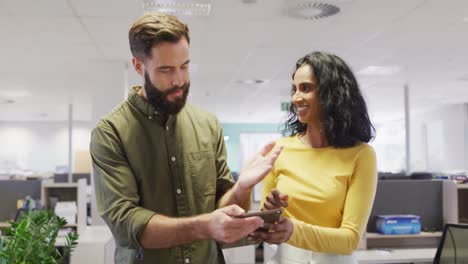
(146, 108)
(140, 103)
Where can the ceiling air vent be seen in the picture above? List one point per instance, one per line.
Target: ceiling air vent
(311, 10)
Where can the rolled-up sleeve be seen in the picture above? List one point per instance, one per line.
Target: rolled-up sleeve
(224, 180)
(116, 188)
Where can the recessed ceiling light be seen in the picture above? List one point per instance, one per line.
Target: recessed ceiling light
(186, 8)
(14, 93)
(251, 81)
(379, 70)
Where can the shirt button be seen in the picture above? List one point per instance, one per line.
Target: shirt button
(156, 112)
(178, 192)
(173, 158)
(167, 128)
(187, 260)
(150, 117)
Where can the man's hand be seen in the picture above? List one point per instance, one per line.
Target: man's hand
(258, 167)
(278, 232)
(224, 227)
(275, 200)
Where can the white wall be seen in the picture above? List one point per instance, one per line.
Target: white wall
(389, 145)
(43, 145)
(39, 146)
(438, 141)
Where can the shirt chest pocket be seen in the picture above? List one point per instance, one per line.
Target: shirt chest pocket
(202, 170)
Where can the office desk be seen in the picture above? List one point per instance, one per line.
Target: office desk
(95, 245)
(413, 255)
(374, 256)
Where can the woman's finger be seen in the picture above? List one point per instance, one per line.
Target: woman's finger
(267, 148)
(269, 206)
(272, 200)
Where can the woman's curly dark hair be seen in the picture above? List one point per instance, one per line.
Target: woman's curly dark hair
(345, 120)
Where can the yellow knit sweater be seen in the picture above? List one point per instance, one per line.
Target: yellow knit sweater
(331, 192)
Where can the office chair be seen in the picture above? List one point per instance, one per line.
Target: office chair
(453, 246)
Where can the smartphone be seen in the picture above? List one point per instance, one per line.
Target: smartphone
(268, 216)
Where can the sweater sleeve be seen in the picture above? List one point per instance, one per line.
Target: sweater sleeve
(357, 208)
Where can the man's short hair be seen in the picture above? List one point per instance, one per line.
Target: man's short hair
(154, 28)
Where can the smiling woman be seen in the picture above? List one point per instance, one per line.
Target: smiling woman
(325, 178)
(329, 85)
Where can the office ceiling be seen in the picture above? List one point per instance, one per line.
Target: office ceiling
(60, 52)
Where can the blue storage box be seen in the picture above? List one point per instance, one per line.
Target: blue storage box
(398, 224)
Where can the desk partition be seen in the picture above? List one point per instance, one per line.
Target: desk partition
(13, 190)
(419, 197)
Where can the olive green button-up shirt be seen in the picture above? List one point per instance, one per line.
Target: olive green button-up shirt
(146, 163)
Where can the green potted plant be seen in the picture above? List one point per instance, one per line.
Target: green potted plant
(32, 240)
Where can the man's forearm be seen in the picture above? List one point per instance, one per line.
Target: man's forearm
(165, 232)
(236, 195)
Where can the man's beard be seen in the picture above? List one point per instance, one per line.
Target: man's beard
(159, 100)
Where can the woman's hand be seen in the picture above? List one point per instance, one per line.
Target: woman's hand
(278, 232)
(275, 200)
(258, 167)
